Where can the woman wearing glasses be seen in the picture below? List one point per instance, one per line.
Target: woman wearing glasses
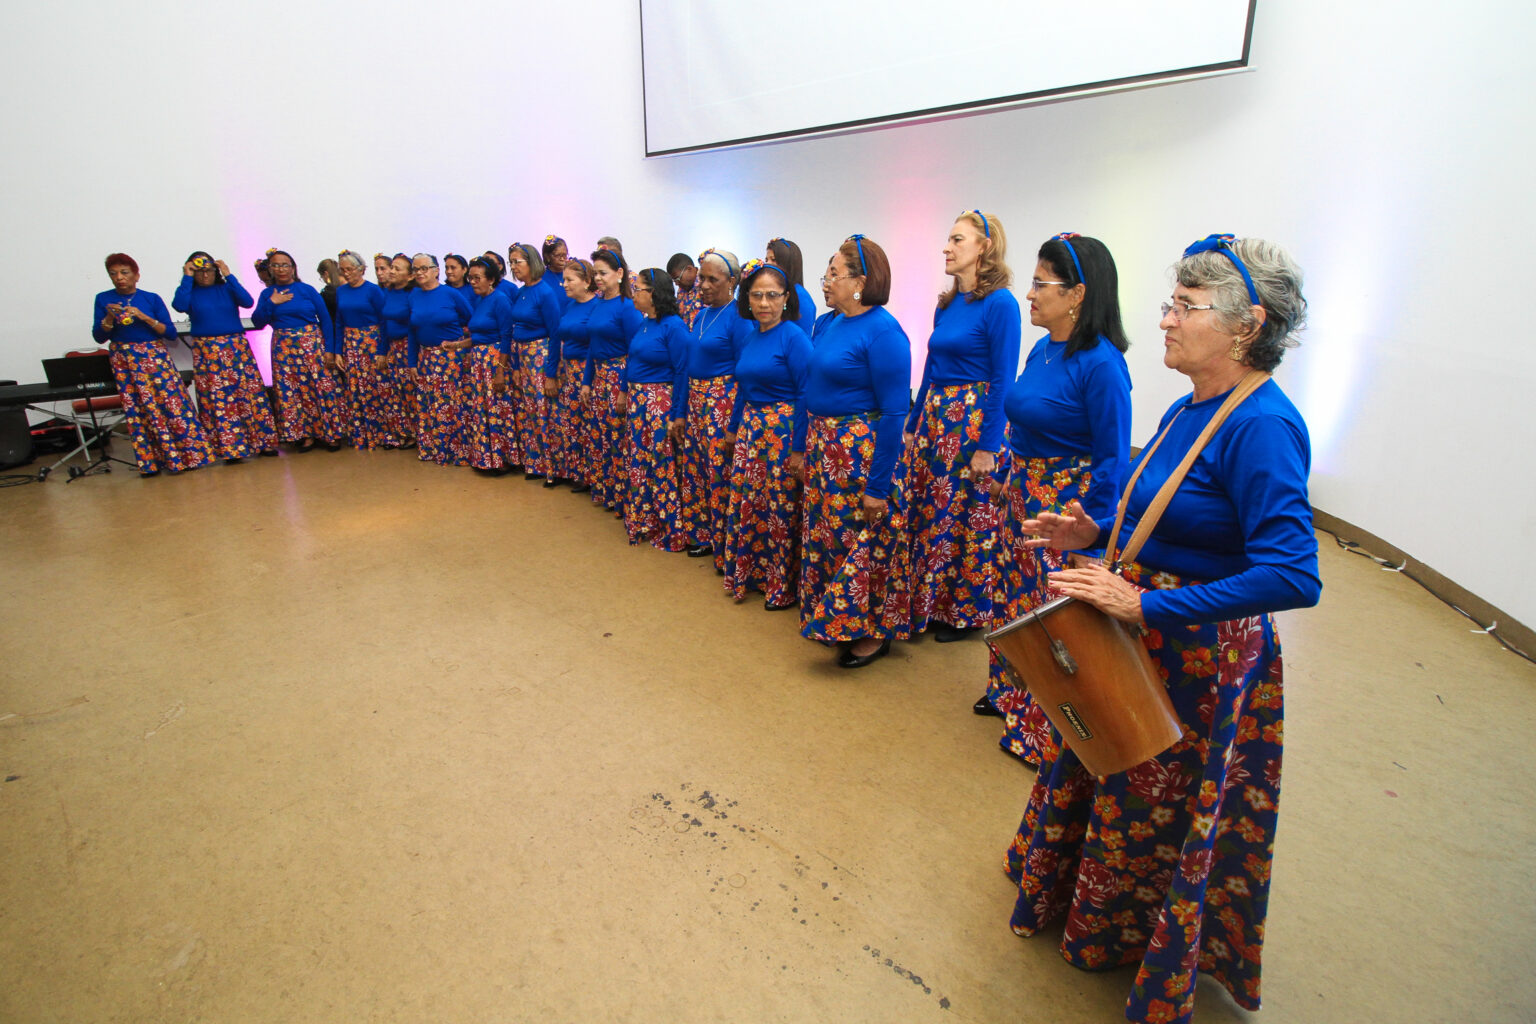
(158, 414)
(232, 402)
(1069, 424)
(485, 366)
(655, 393)
(855, 565)
(1168, 864)
(954, 433)
(762, 533)
(535, 316)
(364, 355)
(715, 341)
(439, 332)
(569, 416)
(310, 404)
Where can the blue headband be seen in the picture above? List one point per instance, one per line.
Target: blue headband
(1066, 239)
(858, 240)
(755, 265)
(1223, 245)
(985, 227)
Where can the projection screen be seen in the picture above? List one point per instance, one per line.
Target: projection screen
(724, 74)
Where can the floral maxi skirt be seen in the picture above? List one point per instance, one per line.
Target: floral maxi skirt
(310, 402)
(762, 533)
(231, 399)
(165, 432)
(650, 505)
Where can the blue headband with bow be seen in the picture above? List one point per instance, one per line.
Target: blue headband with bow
(1223, 245)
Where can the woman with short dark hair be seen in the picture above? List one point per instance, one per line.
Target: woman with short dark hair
(403, 409)
(855, 564)
(613, 320)
(655, 393)
(158, 414)
(685, 281)
(486, 364)
(1169, 863)
(456, 276)
(311, 407)
(232, 402)
(762, 533)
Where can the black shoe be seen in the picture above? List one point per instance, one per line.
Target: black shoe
(332, 447)
(305, 445)
(581, 488)
(269, 453)
(409, 442)
(984, 707)
(850, 660)
(944, 633)
(700, 550)
(500, 471)
(534, 476)
(233, 462)
(778, 607)
(553, 481)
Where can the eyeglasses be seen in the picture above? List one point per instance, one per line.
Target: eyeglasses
(1180, 309)
(517, 263)
(834, 278)
(279, 266)
(765, 296)
(1036, 284)
(422, 268)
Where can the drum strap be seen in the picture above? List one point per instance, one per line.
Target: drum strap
(1245, 387)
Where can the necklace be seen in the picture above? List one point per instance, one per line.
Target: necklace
(1048, 345)
(705, 321)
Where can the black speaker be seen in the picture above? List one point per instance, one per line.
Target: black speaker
(15, 436)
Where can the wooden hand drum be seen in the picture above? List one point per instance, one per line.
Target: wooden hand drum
(1095, 681)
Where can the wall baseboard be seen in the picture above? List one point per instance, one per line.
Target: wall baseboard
(1514, 632)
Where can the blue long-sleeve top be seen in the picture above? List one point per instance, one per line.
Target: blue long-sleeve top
(570, 340)
(863, 365)
(971, 342)
(491, 323)
(820, 326)
(149, 302)
(1075, 405)
(535, 312)
(360, 307)
(397, 313)
(716, 339)
(468, 291)
(658, 354)
(305, 307)
(506, 286)
(612, 323)
(438, 315)
(213, 309)
(807, 319)
(772, 368)
(1241, 519)
(556, 283)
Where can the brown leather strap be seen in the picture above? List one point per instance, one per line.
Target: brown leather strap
(1250, 383)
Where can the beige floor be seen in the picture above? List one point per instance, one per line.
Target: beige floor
(351, 738)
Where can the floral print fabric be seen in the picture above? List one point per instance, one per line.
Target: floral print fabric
(1168, 863)
(232, 402)
(161, 424)
(310, 403)
(762, 535)
(651, 508)
(704, 484)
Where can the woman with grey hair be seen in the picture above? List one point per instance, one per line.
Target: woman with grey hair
(1168, 864)
(535, 315)
(364, 354)
(439, 333)
(704, 480)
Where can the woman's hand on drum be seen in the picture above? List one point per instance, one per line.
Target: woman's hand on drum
(1093, 583)
(1068, 532)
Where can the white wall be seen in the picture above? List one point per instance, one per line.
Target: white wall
(1385, 145)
